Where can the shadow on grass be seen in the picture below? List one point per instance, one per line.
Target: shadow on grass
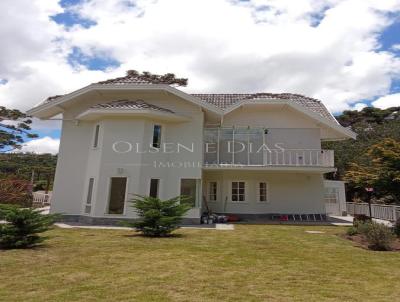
(140, 235)
(37, 247)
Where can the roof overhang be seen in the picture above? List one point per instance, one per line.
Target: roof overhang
(95, 114)
(54, 107)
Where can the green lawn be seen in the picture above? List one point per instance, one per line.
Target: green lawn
(252, 263)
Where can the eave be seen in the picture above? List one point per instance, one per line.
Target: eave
(96, 114)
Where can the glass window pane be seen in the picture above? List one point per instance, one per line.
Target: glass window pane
(117, 195)
(96, 136)
(241, 146)
(90, 191)
(189, 189)
(212, 191)
(157, 136)
(225, 146)
(256, 146)
(210, 145)
(154, 183)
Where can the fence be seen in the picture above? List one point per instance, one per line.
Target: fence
(380, 211)
(41, 199)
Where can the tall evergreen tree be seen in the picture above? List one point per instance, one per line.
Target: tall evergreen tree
(14, 129)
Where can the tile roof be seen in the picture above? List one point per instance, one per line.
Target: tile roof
(224, 101)
(130, 104)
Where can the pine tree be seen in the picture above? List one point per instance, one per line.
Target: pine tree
(14, 129)
(22, 226)
(158, 218)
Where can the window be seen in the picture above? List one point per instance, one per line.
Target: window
(157, 136)
(212, 191)
(189, 189)
(116, 202)
(238, 192)
(88, 206)
(96, 136)
(331, 195)
(154, 184)
(262, 192)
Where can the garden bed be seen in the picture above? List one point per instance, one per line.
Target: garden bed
(360, 241)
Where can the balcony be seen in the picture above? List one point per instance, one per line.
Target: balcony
(249, 147)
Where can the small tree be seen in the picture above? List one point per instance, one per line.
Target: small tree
(380, 170)
(158, 218)
(22, 226)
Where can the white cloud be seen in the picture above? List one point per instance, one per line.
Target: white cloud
(390, 100)
(42, 145)
(359, 106)
(221, 46)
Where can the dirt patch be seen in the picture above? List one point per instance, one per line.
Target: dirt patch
(361, 241)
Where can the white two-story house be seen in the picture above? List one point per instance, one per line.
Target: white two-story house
(253, 155)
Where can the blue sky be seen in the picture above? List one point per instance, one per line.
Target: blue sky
(346, 53)
(389, 37)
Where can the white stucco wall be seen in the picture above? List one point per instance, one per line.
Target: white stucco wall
(288, 193)
(78, 160)
(287, 127)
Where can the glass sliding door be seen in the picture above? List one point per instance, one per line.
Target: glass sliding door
(116, 203)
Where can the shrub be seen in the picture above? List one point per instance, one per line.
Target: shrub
(22, 226)
(363, 227)
(379, 236)
(351, 231)
(360, 218)
(158, 218)
(396, 228)
(14, 191)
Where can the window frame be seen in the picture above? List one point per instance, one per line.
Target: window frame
(238, 194)
(197, 200)
(87, 202)
(96, 136)
(106, 212)
(160, 136)
(158, 186)
(209, 191)
(266, 191)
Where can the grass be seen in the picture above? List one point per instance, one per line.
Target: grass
(252, 263)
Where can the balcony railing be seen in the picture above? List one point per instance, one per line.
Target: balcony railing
(287, 157)
(249, 147)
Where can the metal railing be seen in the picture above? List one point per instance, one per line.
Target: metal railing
(286, 157)
(380, 211)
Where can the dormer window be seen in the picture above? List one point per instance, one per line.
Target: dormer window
(157, 136)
